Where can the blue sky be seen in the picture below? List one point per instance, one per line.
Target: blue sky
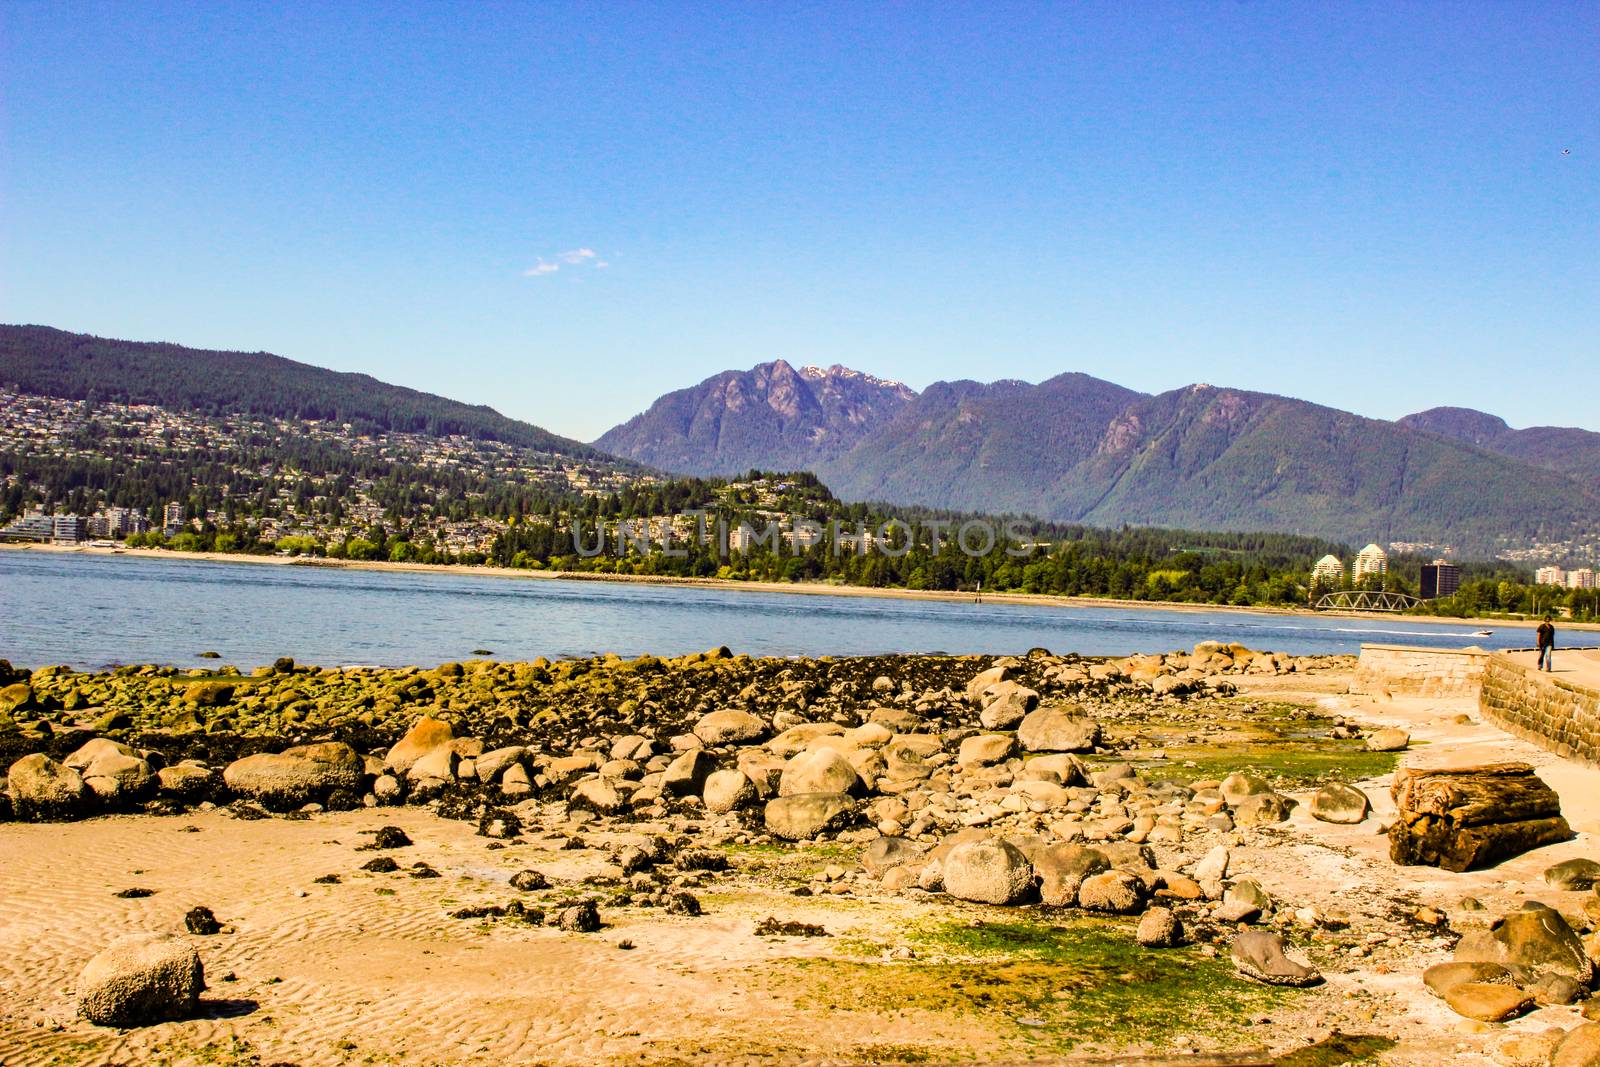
(565, 210)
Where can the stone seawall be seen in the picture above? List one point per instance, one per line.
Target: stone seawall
(1403, 670)
(1546, 709)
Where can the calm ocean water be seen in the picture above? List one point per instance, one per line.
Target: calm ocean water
(94, 611)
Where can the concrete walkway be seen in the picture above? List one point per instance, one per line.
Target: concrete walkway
(1576, 666)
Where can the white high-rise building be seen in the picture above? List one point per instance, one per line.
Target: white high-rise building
(1549, 576)
(1370, 560)
(1328, 570)
(1581, 578)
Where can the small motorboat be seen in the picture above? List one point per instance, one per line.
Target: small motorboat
(1483, 633)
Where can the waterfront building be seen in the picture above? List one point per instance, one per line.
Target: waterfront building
(1439, 579)
(68, 530)
(35, 525)
(117, 523)
(1550, 576)
(1329, 570)
(1371, 560)
(172, 518)
(1581, 578)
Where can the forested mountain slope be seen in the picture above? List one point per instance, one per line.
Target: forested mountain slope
(1559, 448)
(75, 366)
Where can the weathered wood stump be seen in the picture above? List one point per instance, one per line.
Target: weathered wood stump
(1458, 818)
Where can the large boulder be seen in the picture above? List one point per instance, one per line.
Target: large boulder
(424, 736)
(1061, 869)
(1443, 977)
(981, 750)
(186, 783)
(726, 791)
(1005, 704)
(116, 777)
(1042, 795)
(1340, 803)
(296, 776)
(903, 763)
(93, 749)
(140, 979)
(492, 764)
(17, 696)
(597, 795)
(1489, 1002)
(730, 726)
(1159, 928)
(795, 739)
(211, 694)
(1116, 891)
(1263, 809)
(686, 775)
(438, 766)
(1064, 768)
(988, 871)
(1213, 866)
(1058, 729)
(1238, 787)
(805, 815)
(41, 788)
(869, 735)
(822, 771)
(1578, 874)
(983, 680)
(1259, 955)
(1389, 739)
(1531, 941)
(1244, 901)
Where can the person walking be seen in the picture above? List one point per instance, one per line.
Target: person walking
(1547, 643)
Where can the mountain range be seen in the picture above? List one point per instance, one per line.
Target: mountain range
(1076, 448)
(1073, 448)
(1559, 448)
(773, 416)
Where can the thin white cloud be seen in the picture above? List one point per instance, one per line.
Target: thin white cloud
(572, 257)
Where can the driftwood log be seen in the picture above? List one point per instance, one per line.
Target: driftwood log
(1464, 817)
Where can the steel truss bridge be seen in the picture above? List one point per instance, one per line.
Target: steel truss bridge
(1367, 600)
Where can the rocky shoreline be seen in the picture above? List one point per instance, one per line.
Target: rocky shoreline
(605, 719)
(1007, 782)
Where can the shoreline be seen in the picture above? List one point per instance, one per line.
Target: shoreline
(806, 589)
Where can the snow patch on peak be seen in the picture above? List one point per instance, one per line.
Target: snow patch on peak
(812, 372)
